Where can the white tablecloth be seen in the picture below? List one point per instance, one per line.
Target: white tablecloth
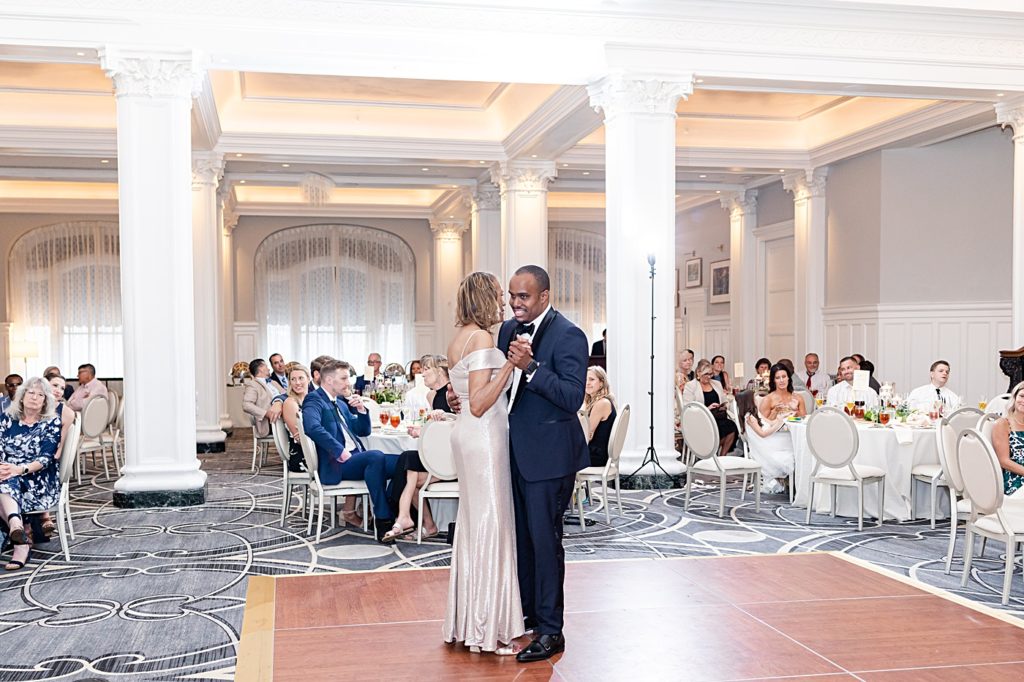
(879, 447)
(444, 510)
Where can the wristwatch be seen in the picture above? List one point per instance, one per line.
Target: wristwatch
(532, 367)
(24, 471)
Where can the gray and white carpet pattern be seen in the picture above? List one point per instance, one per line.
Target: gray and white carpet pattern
(158, 594)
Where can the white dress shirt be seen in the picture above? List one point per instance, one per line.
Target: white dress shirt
(517, 374)
(923, 397)
(843, 393)
(820, 381)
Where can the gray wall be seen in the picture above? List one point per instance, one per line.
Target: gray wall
(704, 229)
(853, 200)
(774, 204)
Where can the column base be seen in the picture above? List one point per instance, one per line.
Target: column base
(159, 498)
(226, 425)
(205, 448)
(209, 439)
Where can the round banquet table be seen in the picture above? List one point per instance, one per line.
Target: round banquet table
(395, 442)
(894, 449)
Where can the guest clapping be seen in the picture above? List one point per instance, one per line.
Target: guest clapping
(599, 407)
(29, 434)
(781, 402)
(1008, 442)
(712, 394)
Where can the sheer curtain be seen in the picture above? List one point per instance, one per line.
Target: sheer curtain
(340, 290)
(65, 294)
(578, 277)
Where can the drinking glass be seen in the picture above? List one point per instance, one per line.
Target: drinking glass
(849, 407)
(384, 416)
(982, 403)
(396, 419)
(884, 416)
(819, 401)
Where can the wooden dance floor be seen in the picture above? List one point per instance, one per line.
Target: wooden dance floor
(812, 616)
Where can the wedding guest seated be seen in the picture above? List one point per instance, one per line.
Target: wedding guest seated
(67, 417)
(720, 375)
(415, 368)
(11, 384)
(599, 406)
(298, 389)
(335, 429)
(781, 401)
(88, 386)
(814, 381)
(258, 397)
(923, 397)
(409, 467)
(761, 368)
(29, 436)
(684, 372)
(843, 392)
(373, 360)
(1008, 442)
(600, 347)
(770, 446)
(279, 372)
(54, 370)
(712, 394)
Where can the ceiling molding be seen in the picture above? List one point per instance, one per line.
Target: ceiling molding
(340, 211)
(555, 126)
(45, 141)
(450, 205)
(51, 205)
(59, 174)
(206, 130)
(343, 181)
(293, 147)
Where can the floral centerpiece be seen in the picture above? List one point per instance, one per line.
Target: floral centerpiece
(388, 395)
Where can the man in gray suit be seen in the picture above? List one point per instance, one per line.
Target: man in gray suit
(258, 398)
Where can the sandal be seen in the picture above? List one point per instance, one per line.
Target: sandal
(351, 518)
(397, 532)
(15, 565)
(17, 535)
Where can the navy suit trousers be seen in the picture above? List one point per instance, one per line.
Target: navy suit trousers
(376, 468)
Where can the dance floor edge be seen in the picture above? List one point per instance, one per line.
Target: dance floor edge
(809, 616)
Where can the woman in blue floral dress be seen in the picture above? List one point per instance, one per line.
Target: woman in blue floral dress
(29, 436)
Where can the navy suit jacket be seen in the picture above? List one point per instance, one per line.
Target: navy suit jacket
(322, 424)
(547, 441)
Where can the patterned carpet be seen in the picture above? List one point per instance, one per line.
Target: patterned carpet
(158, 594)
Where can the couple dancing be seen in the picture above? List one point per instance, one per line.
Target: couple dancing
(517, 445)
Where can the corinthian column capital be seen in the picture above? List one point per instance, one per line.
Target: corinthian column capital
(638, 94)
(741, 203)
(448, 230)
(522, 175)
(1012, 114)
(157, 73)
(806, 185)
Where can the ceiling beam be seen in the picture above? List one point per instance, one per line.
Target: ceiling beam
(556, 126)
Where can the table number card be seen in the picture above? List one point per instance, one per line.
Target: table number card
(368, 374)
(861, 378)
(419, 381)
(737, 370)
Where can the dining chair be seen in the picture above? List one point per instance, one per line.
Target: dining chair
(935, 474)
(94, 417)
(342, 489)
(608, 472)
(833, 442)
(289, 479)
(436, 456)
(989, 517)
(114, 436)
(65, 466)
(997, 405)
(700, 433)
(986, 422)
(260, 445)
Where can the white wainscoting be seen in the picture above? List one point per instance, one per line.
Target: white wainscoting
(246, 340)
(903, 340)
(707, 335)
(425, 338)
(716, 337)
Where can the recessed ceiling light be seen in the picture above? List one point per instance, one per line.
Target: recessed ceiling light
(451, 216)
(104, 160)
(424, 169)
(533, 156)
(241, 182)
(700, 80)
(718, 191)
(782, 170)
(79, 54)
(286, 165)
(703, 175)
(565, 165)
(453, 186)
(586, 172)
(238, 154)
(677, 196)
(1000, 94)
(481, 162)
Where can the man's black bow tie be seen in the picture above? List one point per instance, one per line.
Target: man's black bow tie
(525, 329)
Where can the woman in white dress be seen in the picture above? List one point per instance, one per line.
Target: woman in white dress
(484, 610)
(770, 446)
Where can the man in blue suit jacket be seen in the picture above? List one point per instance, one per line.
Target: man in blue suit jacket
(335, 430)
(547, 447)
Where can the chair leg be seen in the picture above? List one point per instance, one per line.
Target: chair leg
(309, 521)
(366, 515)
(952, 538)
(935, 492)
(881, 501)
(983, 541)
(757, 492)
(618, 493)
(968, 553)
(1011, 553)
(743, 490)
(834, 491)
(419, 525)
(106, 469)
(810, 502)
(792, 487)
(286, 494)
(579, 504)
(60, 524)
(860, 506)
(606, 500)
(913, 498)
(320, 517)
(334, 511)
(689, 483)
(721, 495)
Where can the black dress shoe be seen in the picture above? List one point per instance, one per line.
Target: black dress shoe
(542, 648)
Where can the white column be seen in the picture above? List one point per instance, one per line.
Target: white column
(207, 170)
(485, 228)
(640, 177)
(228, 219)
(742, 208)
(1013, 116)
(447, 276)
(154, 98)
(524, 213)
(810, 256)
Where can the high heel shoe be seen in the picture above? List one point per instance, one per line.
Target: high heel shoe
(17, 535)
(510, 650)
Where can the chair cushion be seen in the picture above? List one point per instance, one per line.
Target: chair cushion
(351, 487)
(1014, 515)
(729, 464)
(927, 470)
(863, 470)
(443, 487)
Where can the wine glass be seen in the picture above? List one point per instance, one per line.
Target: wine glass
(982, 402)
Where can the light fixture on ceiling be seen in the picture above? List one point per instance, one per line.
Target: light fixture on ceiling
(481, 162)
(782, 170)
(424, 169)
(241, 182)
(238, 154)
(703, 175)
(104, 160)
(700, 80)
(1000, 94)
(565, 165)
(79, 54)
(533, 156)
(718, 191)
(586, 172)
(286, 165)
(453, 186)
(316, 189)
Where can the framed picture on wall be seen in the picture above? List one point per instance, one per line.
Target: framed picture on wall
(693, 269)
(720, 282)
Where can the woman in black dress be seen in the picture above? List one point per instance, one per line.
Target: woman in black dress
(712, 394)
(599, 407)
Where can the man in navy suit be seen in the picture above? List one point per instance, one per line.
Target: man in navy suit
(332, 426)
(547, 447)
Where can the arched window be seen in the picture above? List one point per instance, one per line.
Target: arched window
(340, 290)
(578, 277)
(65, 294)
